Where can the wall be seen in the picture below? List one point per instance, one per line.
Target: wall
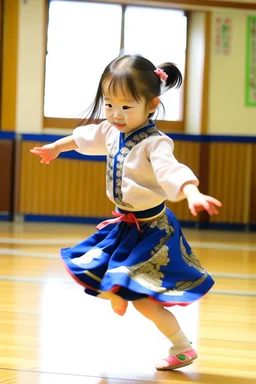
(227, 115)
(227, 112)
(73, 186)
(6, 175)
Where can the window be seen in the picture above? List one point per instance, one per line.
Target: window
(159, 35)
(83, 37)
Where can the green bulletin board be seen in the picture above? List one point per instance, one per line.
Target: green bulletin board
(250, 87)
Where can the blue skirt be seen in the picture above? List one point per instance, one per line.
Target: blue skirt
(143, 256)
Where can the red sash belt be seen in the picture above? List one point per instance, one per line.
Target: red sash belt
(129, 218)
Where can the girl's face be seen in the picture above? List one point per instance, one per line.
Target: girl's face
(125, 113)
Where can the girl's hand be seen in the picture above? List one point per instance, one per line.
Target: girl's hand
(47, 152)
(198, 202)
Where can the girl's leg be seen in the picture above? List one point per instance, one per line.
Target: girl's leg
(118, 304)
(167, 324)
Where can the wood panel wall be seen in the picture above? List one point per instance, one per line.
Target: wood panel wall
(229, 180)
(6, 176)
(69, 187)
(252, 201)
(65, 187)
(186, 153)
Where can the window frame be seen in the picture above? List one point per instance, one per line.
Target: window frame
(71, 123)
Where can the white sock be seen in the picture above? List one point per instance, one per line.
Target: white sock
(179, 343)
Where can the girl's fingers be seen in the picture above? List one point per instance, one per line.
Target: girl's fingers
(35, 148)
(192, 210)
(45, 160)
(213, 201)
(40, 151)
(206, 205)
(36, 151)
(214, 210)
(209, 204)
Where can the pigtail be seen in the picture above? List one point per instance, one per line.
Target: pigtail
(92, 115)
(174, 79)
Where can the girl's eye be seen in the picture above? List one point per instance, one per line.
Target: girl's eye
(126, 107)
(108, 105)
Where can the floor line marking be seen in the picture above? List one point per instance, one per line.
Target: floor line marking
(47, 255)
(70, 281)
(73, 241)
(18, 252)
(46, 241)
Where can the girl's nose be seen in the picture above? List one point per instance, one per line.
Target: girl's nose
(117, 115)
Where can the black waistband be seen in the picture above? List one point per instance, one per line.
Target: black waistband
(146, 213)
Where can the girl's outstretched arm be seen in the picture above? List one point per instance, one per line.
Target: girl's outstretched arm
(49, 152)
(198, 202)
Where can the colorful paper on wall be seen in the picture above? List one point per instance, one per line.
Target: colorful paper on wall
(222, 35)
(250, 86)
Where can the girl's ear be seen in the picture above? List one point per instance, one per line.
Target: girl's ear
(154, 104)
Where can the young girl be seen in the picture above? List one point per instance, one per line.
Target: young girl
(141, 254)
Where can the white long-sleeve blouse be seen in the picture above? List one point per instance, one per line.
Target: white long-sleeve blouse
(142, 171)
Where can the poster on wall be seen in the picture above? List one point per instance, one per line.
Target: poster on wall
(222, 35)
(250, 87)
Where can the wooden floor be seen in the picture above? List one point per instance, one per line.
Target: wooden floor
(51, 332)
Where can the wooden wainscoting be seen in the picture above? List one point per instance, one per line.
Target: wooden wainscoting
(252, 202)
(187, 153)
(230, 175)
(77, 188)
(6, 176)
(66, 187)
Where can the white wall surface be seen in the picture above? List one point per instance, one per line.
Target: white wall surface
(227, 110)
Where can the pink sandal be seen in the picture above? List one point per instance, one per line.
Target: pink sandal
(177, 361)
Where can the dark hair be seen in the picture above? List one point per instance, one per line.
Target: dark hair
(133, 74)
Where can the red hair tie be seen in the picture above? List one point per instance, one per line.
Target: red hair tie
(161, 74)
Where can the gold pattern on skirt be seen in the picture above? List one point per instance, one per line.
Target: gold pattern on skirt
(148, 273)
(190, 258)
(162, 223)
(187, 285)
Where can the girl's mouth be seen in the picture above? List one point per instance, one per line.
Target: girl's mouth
(119, 125)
